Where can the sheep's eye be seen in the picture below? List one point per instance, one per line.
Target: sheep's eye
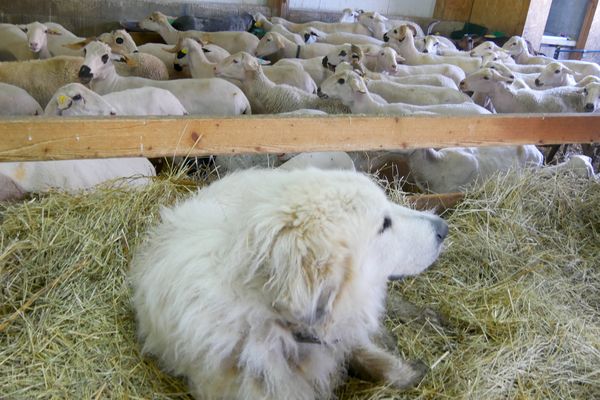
(387, 223)
(492, 67)
(343, 53)
(585, 91)
(487, 78)
(119, 40)
(395, 30)
(24, 29)
(105, 58)
(77, 97)
(371, 17)
(341, 81)
(235, 61)
(84, 51)
(46, 31)
(557, 71)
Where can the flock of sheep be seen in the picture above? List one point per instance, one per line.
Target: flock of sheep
(364, 64)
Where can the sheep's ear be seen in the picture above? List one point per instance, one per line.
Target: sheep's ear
(413, 29)
(263, 62)
(569, 70)
(400, 59)
(250, 63)
(52, 31)
(357, 84)
(173, 49)
(79, 45)
(125, 59)
(356, 52)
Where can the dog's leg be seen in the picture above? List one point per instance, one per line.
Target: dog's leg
(371, 363)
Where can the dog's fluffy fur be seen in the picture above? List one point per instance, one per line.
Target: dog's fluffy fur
(266, 283)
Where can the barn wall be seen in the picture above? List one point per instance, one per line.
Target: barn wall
(421, 8)
(89, 17)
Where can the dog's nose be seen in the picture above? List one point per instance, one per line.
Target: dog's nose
(589, 107)
(441, 229)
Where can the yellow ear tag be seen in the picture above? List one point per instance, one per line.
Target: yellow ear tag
(62, 100)
(184, 51)
(258, 24)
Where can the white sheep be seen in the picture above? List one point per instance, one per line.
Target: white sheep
(520, 80)
(578, 165)
(351, 89)
(198, 96)
(557, 74)
(275, 43)
(50, 41)
(507, 99)
(591, 93)
(268, 26)
(41, 78)
(349, 15)
(329, 27)
(13, 44)
(266, 96)
(76, 99)
(394, 92)
(378, 25)
(456, 168)
(313, 66)
(189, 52)
(402, 39)
(338, 37)
(16, 101)
(229, 40)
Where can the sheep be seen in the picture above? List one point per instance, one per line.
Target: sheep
(520, 81)
(16, 101)
(433, 44)
(353, 92)
(338, 37)
(349, 15)
(591, 94)
(198, 96)
(456, 168)
(387, 61)
(266, 96)
(394, 92)
(427, 80)
(378, 25)
(76, 99)
(557, 74)
(50, 42)
(328, 27)
(230, 41)
(13, 44)
(264, 23)
(241, 22)
(510, 100)
(190, 52)
(41, 78)
(403, 40)
(274, 43)
(313, 66)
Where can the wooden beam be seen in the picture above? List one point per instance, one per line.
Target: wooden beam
(280, 8)
(586, 25)
(37, 138)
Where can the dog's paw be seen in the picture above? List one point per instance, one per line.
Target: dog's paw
(407, 375)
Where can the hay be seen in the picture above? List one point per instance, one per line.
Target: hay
(518, 287)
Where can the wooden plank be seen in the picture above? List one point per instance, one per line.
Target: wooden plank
(585, 29)
(507, 16)
(71, 138)
(453, 10)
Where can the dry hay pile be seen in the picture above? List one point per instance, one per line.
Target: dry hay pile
(519, 289)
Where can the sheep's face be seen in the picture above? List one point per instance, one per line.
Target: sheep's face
(431, 45)
(76, 99)
(96, 62)
(343, 85)
(37, 35)
(373, 21)
(237, 66)
(483, 81)
(310, 35)
(553, 75)
(154, 22)
(400, 33)
(269, 44)
(515, 46)
(344, 53)
(483, 48)
(182, 51)
(388, 59)
(120, 41)
(500, 68)
(591, 93)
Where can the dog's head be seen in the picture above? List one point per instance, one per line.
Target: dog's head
(317, 235)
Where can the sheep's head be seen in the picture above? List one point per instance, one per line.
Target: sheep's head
(182, 50)
(154, 22)
(485, 47)
(76, 99)
(37, 35)
(373, 21)
(591, 94)
(237, 66)
(345, 85)
(271, 43)
(345, 52)
(500, 68)
(120, 41)
(515, 45)
(400, 33)
(483, 81)
(97, 61)
(553, 75)
(310, 35)
(431, 44)
(388, 60)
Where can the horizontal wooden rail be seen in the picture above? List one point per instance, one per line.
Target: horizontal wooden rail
(71, 138)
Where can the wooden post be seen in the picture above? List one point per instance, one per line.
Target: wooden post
(585, 29)
(280, 8)
(36, 138)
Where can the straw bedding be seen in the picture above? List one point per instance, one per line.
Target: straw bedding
(512, 306)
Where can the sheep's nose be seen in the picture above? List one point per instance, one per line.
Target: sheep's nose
(425, 51)
(441, 229)
(462, 84)
(589, 107)
(85, 72)
(386, 38)
(177, 67)
(325, 61)
(538, 83)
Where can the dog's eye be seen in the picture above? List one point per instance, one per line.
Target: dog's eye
(387, 223)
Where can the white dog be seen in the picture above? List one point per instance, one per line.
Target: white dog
(263, 284)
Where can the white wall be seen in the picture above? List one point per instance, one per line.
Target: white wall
(411, 8)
